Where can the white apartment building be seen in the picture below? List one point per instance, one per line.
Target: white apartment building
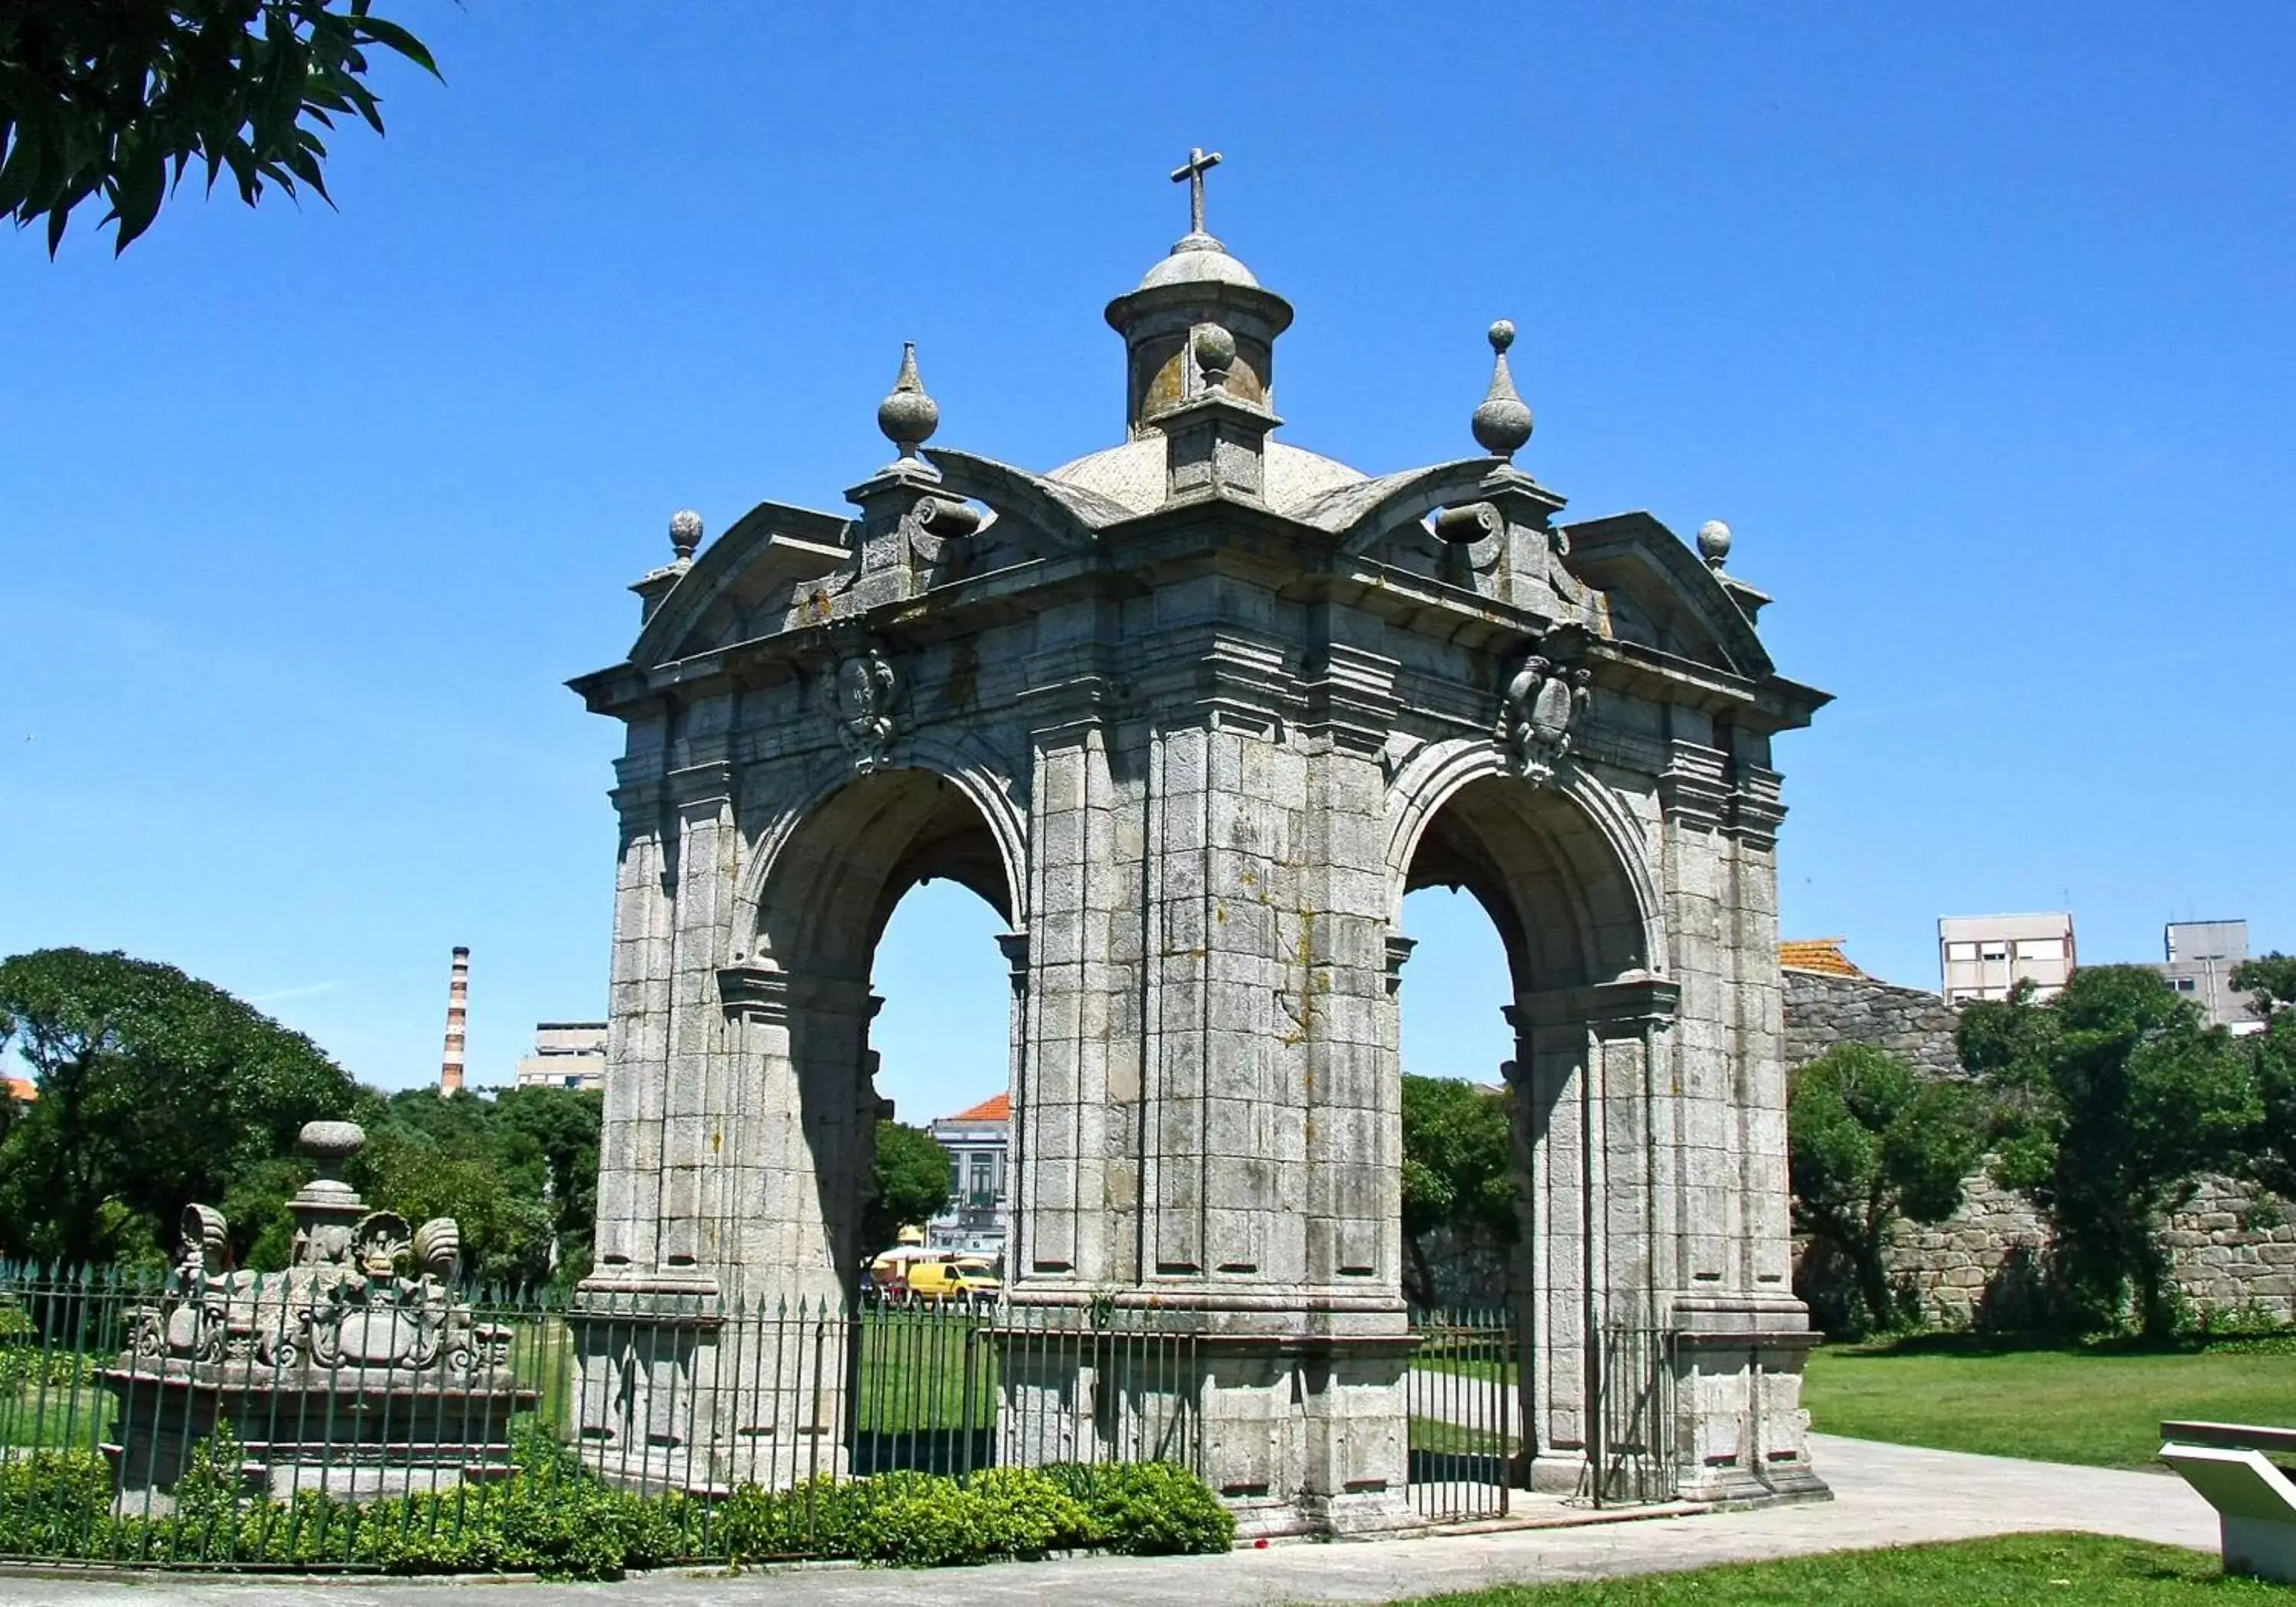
(979, 1140)
(567, 1055)
(1984, 957)
(2200, 958)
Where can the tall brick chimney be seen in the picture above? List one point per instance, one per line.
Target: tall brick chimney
(458, 1003)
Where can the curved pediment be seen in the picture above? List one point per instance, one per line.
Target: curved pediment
(774, 550)
(1070, 515)
(1364, 513)
(1662, 595)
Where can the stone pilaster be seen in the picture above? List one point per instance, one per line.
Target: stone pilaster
(1594, 1131)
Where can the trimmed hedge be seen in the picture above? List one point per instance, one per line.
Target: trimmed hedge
(557, 1519)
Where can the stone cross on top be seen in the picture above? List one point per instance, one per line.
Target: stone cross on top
(1191, 173)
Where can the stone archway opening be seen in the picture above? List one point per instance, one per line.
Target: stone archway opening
(802, 1005)
(1578, 1046)
(1455, 1043)
(942, 1042)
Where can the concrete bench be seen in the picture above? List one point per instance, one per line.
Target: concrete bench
(2255, 1501)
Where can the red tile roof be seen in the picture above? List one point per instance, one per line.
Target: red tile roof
(1821, 955)
(997, 1108)
(21, 1087)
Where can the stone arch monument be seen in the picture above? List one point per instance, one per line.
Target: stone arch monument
(1193, 713)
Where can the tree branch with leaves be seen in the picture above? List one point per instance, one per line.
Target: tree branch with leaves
(119, 99)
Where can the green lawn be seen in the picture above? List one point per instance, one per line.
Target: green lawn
(2102, 1406)
(2089, 1571)
(1450, 1438)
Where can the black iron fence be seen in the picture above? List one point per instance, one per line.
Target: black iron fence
(1631, 1460)
(273, 1419)
(370, 1420)
(1465, 1393)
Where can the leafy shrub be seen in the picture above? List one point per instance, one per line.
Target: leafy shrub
(918, 1521)
(24, 1366)
(556, 1518)
(816, 1517)
(1025, 1514)
(52, 1501)
(1147, 1508)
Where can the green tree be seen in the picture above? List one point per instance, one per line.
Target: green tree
(548, 1139)
(2111, 1100)
(118, 98)
(912, 1181)
(2270, 984)
(155, 1090)
(426, 1156)
(1870, 1144)
(1458, 1173)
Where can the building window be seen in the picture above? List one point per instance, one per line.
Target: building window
(1961, 951)
(984, 1192)
(1996, 951)
(2185, 984)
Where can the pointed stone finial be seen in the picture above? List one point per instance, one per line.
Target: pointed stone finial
(1503, 421)
(1714, 543)
(1215, 350)
(908, 416)
(685, 534)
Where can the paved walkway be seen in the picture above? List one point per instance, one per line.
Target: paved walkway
(1884, 1495)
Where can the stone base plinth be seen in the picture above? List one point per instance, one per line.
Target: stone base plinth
(1301, 1432)
(351, 1432)
(1741, 1435)
(672, 1395)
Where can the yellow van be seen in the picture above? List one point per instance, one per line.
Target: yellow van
(962, 1281)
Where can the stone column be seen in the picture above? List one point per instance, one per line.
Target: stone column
(1592, 1132)
(644, 1324)
(1738, 1336)
(1075, 1078)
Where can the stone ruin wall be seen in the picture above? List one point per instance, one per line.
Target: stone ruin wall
(1984, 1259)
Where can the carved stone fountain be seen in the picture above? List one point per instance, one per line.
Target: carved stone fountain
(357, 1370)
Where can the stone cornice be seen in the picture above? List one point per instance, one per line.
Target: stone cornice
(1693, 788)
(1613, 1008)
(704, 785)
(1349, 694)
(759, 993)
(1755, 812)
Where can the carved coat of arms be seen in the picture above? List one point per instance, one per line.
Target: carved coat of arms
(1539, 716)
(862, 691)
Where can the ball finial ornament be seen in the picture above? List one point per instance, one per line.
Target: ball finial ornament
(1503, 422)
(1215, 350)
(1714, 543)
(330, 1143)
(908, 416)
(685, 532)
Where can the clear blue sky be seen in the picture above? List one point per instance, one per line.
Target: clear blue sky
(1977, 323)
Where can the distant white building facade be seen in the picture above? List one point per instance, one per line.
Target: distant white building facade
(1984, 956)
(2200, 958)
(567, 1055)
(977, 1140)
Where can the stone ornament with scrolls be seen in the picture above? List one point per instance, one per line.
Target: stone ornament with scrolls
(1539, 715)
(347, 1344)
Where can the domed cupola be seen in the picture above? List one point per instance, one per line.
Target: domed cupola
(1198, 284)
